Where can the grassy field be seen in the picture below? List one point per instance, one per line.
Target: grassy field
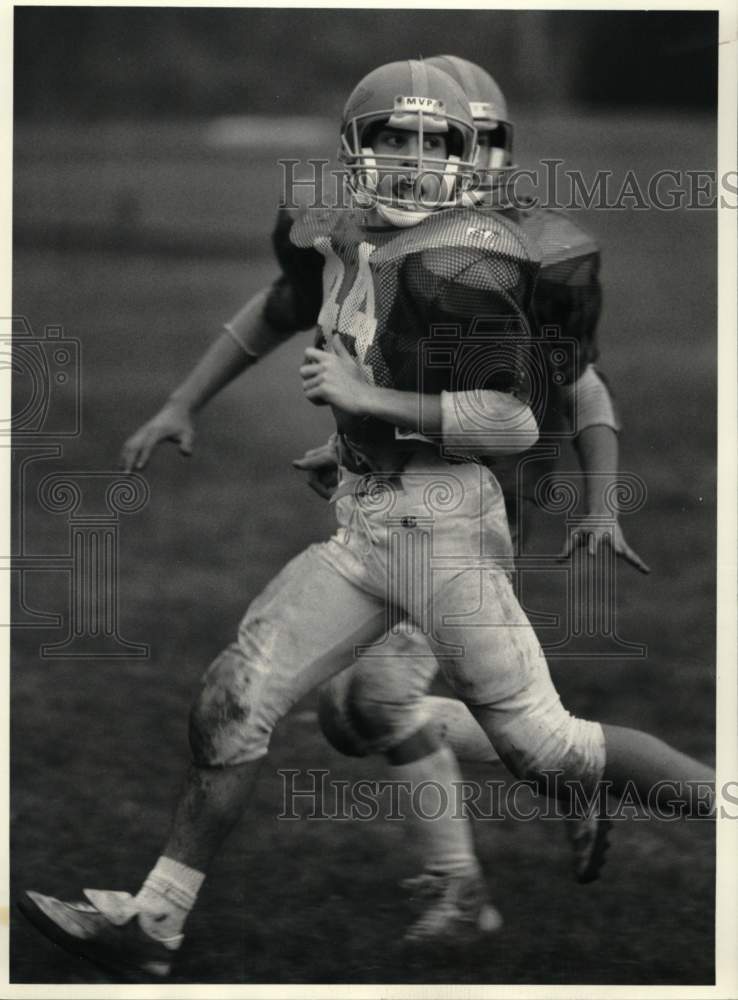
(99, 746)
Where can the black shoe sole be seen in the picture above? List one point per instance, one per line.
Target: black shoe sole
(597, 858)
(82, 949)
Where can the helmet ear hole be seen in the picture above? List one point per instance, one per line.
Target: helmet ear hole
(497, 137)
(366, 180)
(455, 144)
(371, 132)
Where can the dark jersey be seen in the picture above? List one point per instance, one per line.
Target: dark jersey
(568, 296)
(442, 306)
(566, 310)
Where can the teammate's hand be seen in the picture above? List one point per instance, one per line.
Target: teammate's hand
(334, 377)
(172, 423)
(321, 465)
(593, 533)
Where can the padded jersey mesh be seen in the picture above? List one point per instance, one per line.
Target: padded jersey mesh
(388, 290)
(468, 275)
(566, 310)
(568, 294)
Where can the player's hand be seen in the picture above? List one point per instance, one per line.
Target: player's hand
(172, 423)
(593, 533)
(321, 465)
(334, 377)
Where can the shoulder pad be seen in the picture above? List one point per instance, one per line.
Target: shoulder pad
(558, 237)
(312, 224)
(461, 228)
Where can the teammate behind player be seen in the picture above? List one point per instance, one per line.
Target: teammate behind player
(383, 288)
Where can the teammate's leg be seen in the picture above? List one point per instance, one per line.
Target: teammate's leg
(378, 706)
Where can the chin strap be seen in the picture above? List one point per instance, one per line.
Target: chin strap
(402, 218)
(364, 191)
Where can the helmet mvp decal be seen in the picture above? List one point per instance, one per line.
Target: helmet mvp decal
(427, 104)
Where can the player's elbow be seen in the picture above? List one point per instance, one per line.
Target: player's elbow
(516, 434)
(487, 424)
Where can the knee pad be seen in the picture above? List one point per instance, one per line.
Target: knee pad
(574, 750)
(533, 745)
(383, 707)
(223, 727)
(369, 709)
(335, 720)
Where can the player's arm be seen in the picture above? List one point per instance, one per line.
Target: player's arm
(334, 377)
(509, 426)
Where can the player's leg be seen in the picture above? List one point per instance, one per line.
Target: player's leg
(492, 656)
(298, 632)
(504, 678)
(631, 754)
(662, 777)
(460, 730)
(340, 712)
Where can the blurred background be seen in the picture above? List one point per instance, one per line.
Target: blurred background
(145, 184)
(133, 101)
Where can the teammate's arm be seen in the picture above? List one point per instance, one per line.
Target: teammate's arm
(597, 446)
(274, 314)
(321, 465)
(246, 338)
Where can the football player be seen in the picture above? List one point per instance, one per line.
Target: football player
(360, 710)
(377, 280)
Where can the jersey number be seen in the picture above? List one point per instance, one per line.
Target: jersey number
(355, 314)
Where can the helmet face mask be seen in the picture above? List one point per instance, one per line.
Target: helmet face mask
(412, 168)
(431, 126)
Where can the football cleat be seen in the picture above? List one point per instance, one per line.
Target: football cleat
(589, 839)
(457, 910)
(105, 930)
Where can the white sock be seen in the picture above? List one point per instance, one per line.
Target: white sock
(446, 840)
(167, 896)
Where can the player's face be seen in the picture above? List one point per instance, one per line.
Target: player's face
(399, 142)
(404, 148)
